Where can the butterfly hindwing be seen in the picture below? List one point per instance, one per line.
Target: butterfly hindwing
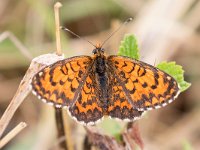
(119, 106)
(87, 109)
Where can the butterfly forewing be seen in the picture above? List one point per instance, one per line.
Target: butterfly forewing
(145, 86)
(61, 82)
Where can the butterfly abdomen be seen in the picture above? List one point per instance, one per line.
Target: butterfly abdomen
(102, 80)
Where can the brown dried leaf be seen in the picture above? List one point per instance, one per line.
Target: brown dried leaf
(132, 135)
(103, 142)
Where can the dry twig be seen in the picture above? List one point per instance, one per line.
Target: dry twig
(12, 133)
(17, 43)
(57, 22)
(58, 111)
(24, 88)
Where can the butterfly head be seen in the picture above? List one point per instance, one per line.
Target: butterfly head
(98, 50)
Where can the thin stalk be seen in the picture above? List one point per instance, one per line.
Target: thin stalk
(58, 111)
(60, 127)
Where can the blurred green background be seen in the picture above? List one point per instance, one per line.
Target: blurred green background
(165, 29)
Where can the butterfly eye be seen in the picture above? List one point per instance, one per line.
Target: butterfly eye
(95, 51)
(98, 50)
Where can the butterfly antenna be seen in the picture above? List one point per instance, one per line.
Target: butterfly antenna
(66, 29)
(125, 22)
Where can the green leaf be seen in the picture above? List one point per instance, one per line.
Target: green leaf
(129, 47)
(175, 71)
(111, 127)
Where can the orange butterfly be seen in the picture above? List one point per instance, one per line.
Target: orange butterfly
(115, 86)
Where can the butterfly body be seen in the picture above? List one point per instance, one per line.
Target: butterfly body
(116, 86)
(101, 77)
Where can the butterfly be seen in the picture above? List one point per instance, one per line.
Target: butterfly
(92, 87)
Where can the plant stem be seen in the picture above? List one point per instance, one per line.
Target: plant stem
(87, 145)
(60, 127)
(57, 23)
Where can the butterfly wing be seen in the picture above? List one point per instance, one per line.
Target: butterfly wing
(119, 106)
(87, 108)
(61, 82)
(145, 86)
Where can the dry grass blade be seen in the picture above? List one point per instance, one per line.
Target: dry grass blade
(24, 88)
(17, 43)
(12, 133)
